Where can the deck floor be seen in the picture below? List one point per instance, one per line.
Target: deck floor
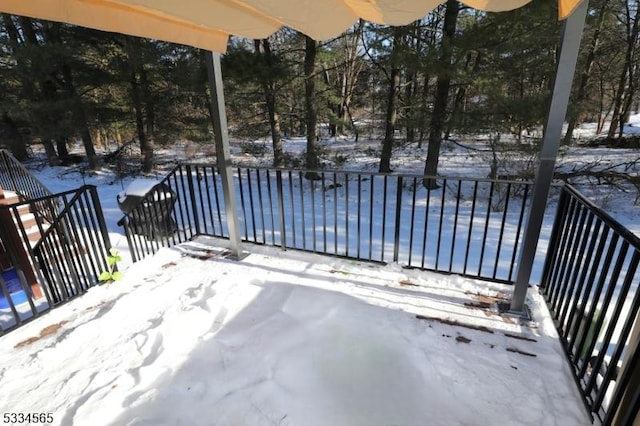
(288, 338)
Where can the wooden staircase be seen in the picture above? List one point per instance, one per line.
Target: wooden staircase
(57, 243)
(33, 225)
(21, 217)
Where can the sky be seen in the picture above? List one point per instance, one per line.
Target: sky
(289, 338)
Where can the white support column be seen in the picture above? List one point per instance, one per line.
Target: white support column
(570, 45)
(221, 135)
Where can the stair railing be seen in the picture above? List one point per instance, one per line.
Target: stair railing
(15, 177)
(70, 253)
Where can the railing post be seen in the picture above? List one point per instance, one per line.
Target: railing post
(396, 231)
(11, 171)
(283, 232)
(554, 238)
(571, 36)
(124, 222)
(221, 133)
(95, 200)
(192, 197)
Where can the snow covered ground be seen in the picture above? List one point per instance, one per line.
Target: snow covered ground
(466, 158)
(189, 337)
(286, 338)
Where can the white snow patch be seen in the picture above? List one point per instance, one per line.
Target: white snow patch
(287, 339)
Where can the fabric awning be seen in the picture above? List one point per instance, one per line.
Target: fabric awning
(207, 24)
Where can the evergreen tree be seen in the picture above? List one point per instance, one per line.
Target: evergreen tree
(311, 116)
(392, 99)
(439, 113)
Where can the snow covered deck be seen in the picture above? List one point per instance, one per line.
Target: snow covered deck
(288, 338)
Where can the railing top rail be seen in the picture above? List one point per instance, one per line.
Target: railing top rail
(629, 236)
(337, 171)
(11, 160)
(369, 173)
(46, 198)
(150, 194)
(77, 193)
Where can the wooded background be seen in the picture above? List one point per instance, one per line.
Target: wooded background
(457, 71)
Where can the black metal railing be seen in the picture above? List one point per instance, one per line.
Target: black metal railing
(16, 178)
(471, 227)
(590, 282)
(155, 223)
(67, 254)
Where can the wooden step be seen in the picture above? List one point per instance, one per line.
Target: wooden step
(33, 233)
(11, 197)
(24, 209)
(28, 220)
(31, 219)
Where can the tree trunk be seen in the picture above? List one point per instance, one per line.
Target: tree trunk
(392, 102)
(263, 50)
(311, 113)
(77, 109)
(80, 119)
(342, 111)
(628, 100)
(149, 108)
(331, 104)
(353, 124)
(471, 66)
(410, 92)
(431, 35)
(581, 92)
(61, 147)
(602, 115)
(411, 85)
(633, 29)
(50, 152)
(424, 97)
(44, 120)
(353, 68)
(617, 105)
(147, 165)
(150, 116)
(134, 54)
(438, 117)
(632, 63)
